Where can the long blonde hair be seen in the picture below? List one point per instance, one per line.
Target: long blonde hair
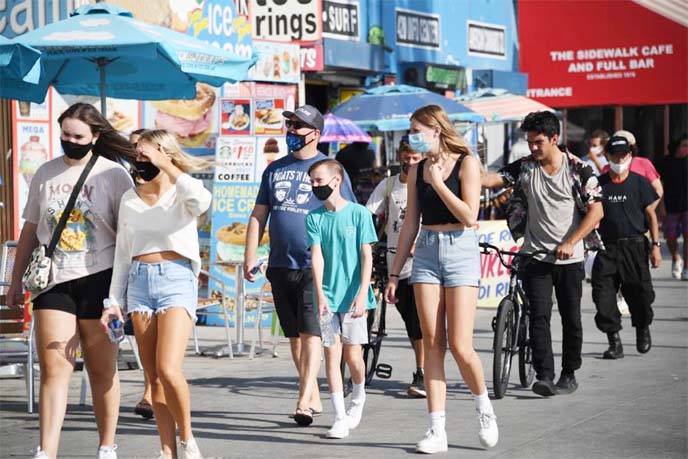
(169, 144)
(450, 141)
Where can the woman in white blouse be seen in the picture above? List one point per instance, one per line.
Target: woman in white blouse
(155, 275)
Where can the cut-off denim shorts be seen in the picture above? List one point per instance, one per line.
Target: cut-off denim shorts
(155, 287)
(448, 258)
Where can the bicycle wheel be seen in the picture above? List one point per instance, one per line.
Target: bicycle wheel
(502, 347)
(526, 372)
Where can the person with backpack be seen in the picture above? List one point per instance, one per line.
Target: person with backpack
(389, 199)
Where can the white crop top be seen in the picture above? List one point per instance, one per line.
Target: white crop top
(167, 225)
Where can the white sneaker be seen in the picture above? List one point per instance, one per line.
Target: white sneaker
(621, 305)
(354, 413)
(433, 442)
(676, 268)
(107, 452)
(189, 449)
(162, 456)
(684, 274)
(40, 454)
(340, 428)
(489, 432)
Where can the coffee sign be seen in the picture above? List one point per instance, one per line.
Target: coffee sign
(286, 20)
(341, 19)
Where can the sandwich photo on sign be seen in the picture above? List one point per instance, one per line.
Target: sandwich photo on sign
(268, 116)
(191, 121)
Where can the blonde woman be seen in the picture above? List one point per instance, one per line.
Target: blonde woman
(443, 196)
(155, 275)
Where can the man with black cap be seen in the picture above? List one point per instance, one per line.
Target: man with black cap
(629, 202)
(285, 196)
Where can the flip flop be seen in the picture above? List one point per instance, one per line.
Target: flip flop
(303, 417)
(144, 409)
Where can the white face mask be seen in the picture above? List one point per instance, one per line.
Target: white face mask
(619, 168)
(596, 150)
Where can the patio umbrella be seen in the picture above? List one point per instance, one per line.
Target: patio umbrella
(342, 130)
(389, 107)
(20, 70)
(499, 106)
(101, 50)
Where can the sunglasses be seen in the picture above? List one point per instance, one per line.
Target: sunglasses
(297, 124)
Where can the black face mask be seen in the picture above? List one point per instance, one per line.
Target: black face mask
(405, 168)
(323, 192)
(146, 170)
(75, 150)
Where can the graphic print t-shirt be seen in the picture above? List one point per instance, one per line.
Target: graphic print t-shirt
(87, 245)
(624, 206)
(286, 189)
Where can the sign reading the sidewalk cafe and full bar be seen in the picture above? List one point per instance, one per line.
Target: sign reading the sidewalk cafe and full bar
(286, 20)
(341, 19)
(418, 29)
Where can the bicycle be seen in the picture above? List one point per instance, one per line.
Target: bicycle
(377, 321)
(510, 324)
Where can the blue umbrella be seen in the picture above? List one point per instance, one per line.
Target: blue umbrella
(389, 107)
(20, 70)
(101, 50)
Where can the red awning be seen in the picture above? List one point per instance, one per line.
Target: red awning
(591, 53)
(508, 107)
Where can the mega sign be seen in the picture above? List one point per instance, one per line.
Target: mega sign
(417, 29)
(286, 20)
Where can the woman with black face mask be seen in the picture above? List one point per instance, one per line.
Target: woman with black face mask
(155, 276)
(68, 311)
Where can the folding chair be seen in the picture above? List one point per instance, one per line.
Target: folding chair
(266, 304)
(202, 309)
(16, 344)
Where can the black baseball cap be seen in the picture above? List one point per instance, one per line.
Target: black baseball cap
(309, 115)
(618, 144)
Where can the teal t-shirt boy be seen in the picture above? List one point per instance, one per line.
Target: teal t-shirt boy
(340, 235)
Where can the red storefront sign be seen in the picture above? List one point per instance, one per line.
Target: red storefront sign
(312, 58)
(586, 53)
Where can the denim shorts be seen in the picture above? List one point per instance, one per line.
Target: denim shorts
(448, 258)
(154, 287)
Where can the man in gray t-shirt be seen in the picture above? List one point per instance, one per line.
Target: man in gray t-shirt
(556, 203)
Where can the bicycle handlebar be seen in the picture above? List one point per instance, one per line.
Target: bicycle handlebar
(486, 248)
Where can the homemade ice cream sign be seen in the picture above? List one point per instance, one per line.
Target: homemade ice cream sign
(286, 20)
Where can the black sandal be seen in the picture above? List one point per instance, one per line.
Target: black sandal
(144, 409)
(303, 417)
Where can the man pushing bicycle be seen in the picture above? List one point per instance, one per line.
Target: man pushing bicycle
(556, 203)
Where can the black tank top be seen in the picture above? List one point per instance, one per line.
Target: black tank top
(433, 211)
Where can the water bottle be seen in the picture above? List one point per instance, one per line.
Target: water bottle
(256, 269)
(326, 328)
(116, 330)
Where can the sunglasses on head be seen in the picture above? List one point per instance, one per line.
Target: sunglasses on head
(297, 124)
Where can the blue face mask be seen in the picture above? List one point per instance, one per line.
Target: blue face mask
(417, 143)
(296, 142)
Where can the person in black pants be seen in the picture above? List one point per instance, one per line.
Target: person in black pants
(629, 203)
(556, 203)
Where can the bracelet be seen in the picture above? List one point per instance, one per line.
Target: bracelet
(657, 243)
(394, 275)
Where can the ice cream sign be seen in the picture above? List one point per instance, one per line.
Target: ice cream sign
(217, 23)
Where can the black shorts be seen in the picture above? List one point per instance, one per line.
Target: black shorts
(292, 291)
(406, 305)
(82, 297)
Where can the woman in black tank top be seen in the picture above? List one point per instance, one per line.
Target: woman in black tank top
(444, 196)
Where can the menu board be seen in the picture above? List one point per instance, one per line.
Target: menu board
(268, 116)
(235, 117)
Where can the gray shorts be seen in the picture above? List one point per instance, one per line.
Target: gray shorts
(353, 330)
(448, 258)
